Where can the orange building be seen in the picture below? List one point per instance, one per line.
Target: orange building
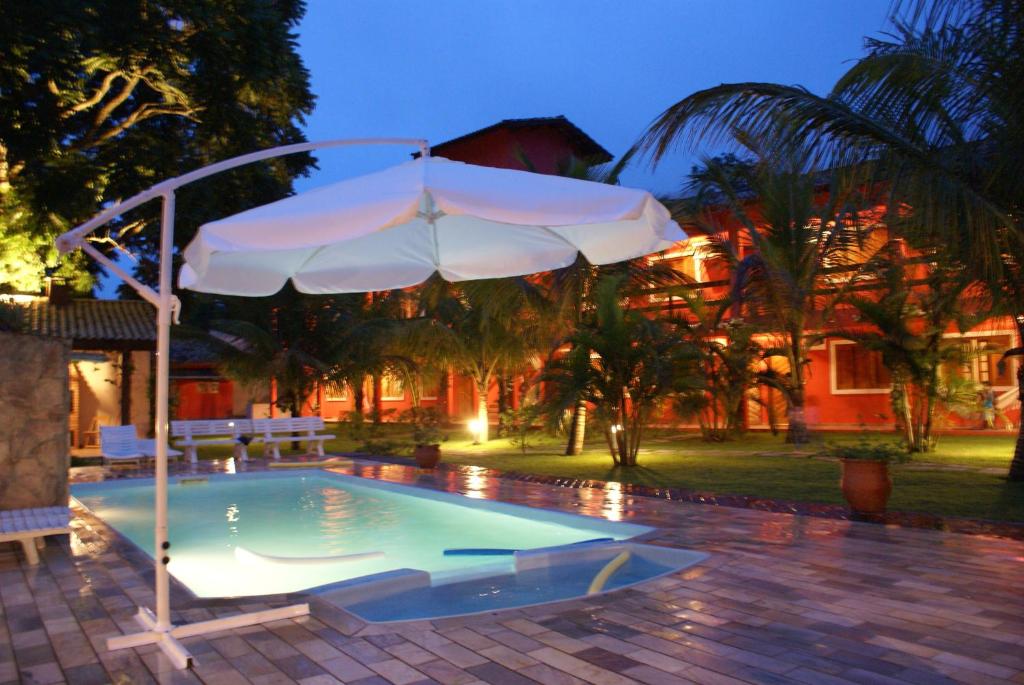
(847, 386)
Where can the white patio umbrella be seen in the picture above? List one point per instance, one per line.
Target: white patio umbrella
(395, 228)
(386, 230)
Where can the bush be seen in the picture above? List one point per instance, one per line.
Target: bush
(517, 424)
(426, 425)
(866, 449)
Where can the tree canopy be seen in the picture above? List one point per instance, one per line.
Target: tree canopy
(100, 100)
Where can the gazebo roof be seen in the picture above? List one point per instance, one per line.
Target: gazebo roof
(94, 324)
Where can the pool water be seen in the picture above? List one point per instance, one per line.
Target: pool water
(319, 514)
(535, 586)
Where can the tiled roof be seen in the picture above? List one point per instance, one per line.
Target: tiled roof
(115, 322)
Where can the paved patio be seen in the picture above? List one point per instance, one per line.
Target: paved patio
(782, 599)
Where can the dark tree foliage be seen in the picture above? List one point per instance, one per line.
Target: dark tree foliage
(100, 100)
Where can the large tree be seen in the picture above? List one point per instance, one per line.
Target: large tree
(935, 109)
(99, 100)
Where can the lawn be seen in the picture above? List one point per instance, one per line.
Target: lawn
(760, 465)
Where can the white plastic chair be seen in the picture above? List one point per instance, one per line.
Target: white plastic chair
(121, 444)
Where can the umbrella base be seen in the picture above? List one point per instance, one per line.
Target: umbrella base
(167, 639)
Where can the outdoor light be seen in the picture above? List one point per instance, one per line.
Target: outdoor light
(476, 426)
(616, 428)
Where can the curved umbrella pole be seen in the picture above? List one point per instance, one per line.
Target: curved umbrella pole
(157, 627)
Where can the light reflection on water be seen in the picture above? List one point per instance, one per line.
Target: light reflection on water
(613, 502)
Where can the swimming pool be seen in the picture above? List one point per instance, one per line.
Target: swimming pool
(264, 533)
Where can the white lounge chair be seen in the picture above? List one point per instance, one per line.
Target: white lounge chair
(30, 526)
(122, 444)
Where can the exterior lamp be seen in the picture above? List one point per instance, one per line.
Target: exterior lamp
(475, 427)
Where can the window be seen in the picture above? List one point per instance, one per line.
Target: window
(336, 392)
(208, 388)
(857, 370)
(392, 388)
(979, 360)
(688, 265)
(432, 384)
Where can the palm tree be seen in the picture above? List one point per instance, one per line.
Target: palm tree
(913, 304)
(571, 288)
(726, 365)
(622, 362)
(935, 110)
(572, 291)
(479, 328)
(796, 238)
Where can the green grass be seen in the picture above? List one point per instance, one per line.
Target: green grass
(760, 465)
(763, 465)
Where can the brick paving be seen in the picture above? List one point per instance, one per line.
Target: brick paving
(782, 599)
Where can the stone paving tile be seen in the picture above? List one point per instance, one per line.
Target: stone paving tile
(782, 599)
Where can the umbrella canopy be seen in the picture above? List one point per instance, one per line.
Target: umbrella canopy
(396, 227)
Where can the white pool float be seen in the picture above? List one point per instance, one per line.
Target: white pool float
(247, 556)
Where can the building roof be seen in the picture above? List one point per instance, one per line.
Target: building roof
(94, 324)
(587, 148)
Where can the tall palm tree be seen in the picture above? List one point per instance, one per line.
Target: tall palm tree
(935, 109)
(796, 237)
(572, 288)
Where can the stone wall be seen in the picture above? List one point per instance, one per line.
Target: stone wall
(34, 409)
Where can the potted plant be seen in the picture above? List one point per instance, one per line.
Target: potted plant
(865, 480)
(427, 436)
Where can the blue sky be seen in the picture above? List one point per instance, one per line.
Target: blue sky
(439, 69)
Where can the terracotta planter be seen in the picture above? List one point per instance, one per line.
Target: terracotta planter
(427, 456)
(866, 485)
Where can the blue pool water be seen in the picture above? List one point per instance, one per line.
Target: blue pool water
(535, 586)
(319, 514)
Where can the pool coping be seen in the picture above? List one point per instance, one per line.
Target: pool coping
(902, 519)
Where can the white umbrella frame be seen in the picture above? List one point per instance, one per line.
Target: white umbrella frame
(157, 627)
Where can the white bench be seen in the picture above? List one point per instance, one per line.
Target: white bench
(30, 526)
(275, 431)
(192, 434)
(122, 443)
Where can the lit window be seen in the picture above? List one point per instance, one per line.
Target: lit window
(857, 369)
(979, 360)
(392, 388)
